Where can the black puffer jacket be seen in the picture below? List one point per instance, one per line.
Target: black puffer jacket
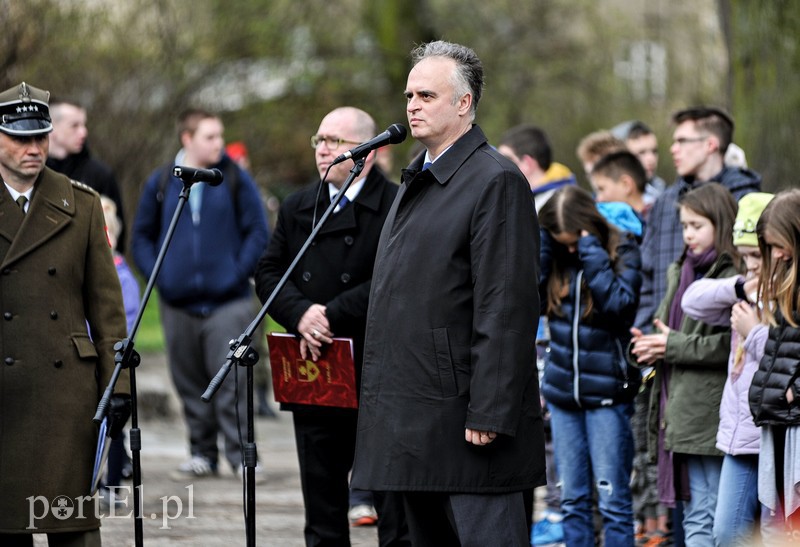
(778, 371)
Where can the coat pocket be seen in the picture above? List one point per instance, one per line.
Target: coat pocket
(444, 363)
(84, 346)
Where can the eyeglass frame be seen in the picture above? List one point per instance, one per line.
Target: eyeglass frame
(316, 140)
(680, 141)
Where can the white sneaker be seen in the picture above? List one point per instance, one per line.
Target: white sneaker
(362, 515)
(197, 467)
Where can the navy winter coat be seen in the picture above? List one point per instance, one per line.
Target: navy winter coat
(586, 366)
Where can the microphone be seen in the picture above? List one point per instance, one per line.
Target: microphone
(212, 177)
(394, 135)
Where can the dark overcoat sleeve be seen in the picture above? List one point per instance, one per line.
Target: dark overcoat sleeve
(504, 247)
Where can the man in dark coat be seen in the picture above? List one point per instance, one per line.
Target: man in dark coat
(69, 154)
(326, 296)
(63, 313)
(450, 413)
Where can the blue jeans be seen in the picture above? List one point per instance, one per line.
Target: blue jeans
(737, 502)
(698, 512)
(594, 448)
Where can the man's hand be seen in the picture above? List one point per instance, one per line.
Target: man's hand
(315, 330)
(118, 413)
(479, 438)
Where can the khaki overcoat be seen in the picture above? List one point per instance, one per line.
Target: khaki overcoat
(57, 281)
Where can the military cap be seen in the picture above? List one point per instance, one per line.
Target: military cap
(24, 111)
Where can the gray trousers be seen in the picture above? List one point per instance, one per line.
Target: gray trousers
(196, 349)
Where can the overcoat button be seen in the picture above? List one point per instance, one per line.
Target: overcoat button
(51, 270)
(7, 316)
(9, 361)
(58, 364)
(345, 278)
(306, 276)
(348, 240)
(53, 315)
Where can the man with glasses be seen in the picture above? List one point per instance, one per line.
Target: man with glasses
(326, 296)
(699, 142)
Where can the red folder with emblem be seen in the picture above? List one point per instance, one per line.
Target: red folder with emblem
(329, 381)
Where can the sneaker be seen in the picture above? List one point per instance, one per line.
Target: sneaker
(362, 515)
(197, 467)
(659, 538)
(107, 498)
(260, 475)
(547, 532)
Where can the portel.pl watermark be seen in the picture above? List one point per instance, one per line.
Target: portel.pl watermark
(64, 507)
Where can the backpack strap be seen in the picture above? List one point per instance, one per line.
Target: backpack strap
(230, 175)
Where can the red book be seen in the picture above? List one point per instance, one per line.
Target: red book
(330, 381)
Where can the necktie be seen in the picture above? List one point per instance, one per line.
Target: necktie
(343, 203)
(21, 201)
(426, 165)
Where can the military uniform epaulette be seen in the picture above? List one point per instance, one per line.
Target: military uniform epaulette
(82, 186)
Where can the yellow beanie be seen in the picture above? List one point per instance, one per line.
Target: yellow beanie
(750, 208)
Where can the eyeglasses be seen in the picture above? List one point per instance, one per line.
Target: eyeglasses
(686, 140)
(330, 142)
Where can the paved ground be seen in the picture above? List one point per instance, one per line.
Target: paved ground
(209, 512)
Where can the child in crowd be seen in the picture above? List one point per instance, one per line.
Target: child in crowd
(620, 176)
(119, 463)
(594, 146)
(690, 359)
(775, 390)
(589, 283)
(733, 301)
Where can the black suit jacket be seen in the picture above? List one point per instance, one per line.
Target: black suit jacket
(336, 270)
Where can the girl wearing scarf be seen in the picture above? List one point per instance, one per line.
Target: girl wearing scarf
(690, 359)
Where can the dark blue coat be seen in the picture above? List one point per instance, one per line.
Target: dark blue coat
(586, 365)
(209, 264)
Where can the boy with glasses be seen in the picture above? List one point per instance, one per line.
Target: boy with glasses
(699, 141)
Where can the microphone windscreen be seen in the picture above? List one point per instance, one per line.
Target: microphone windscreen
(397, 133)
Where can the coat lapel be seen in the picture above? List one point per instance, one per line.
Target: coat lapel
(10, 217)
(51, 210)
(369, 197)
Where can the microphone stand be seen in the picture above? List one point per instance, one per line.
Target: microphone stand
(127, 357)
(242, 354)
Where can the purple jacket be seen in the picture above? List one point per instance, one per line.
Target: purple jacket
(710, 301)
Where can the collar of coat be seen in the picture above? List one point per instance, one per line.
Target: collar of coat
(52, 207)
(445, 167)
(369, 196)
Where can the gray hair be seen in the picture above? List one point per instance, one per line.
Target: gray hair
(468, 76)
